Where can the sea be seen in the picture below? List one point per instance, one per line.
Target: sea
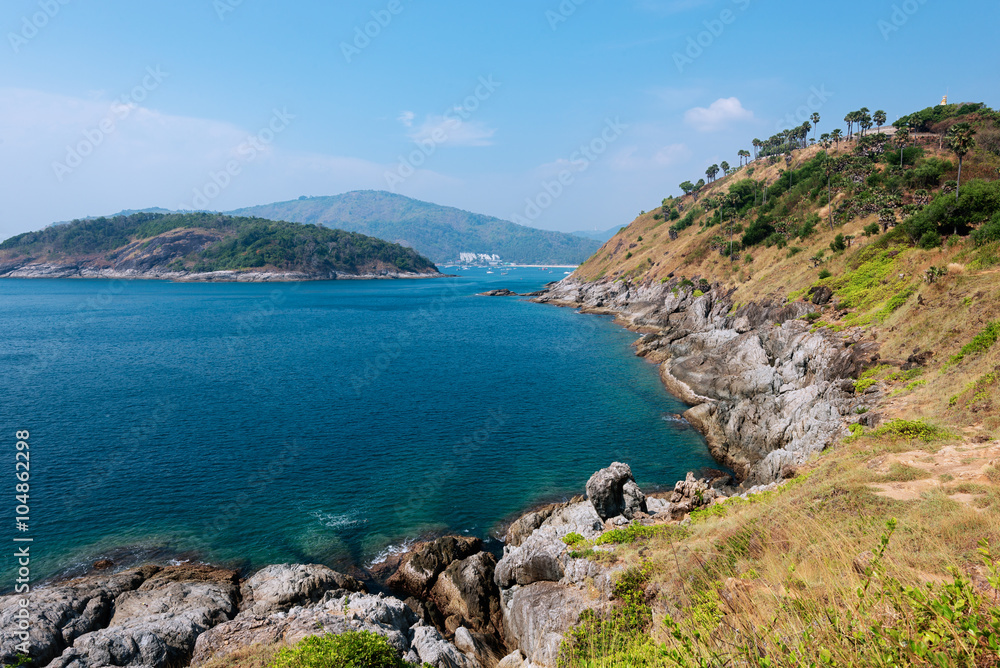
(318, 422)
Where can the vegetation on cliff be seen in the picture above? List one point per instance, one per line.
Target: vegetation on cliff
(202, 242)
(882, 551)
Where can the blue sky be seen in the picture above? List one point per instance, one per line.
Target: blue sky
(114, 104)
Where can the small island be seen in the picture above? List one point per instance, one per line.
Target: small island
(205, 247)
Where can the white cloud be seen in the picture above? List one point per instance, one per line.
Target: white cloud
(450, 130)
(406, 118)
(718, 116)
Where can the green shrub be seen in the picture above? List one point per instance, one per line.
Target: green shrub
(698, 293)
(573, 538)
(824, 273)
(838, 244)
(871, 230)
(982, 342)
(354, 649)
(910, 429)
(629, 534)
(929, 239)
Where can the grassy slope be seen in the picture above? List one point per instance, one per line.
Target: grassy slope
(438, 232)
(748, 577)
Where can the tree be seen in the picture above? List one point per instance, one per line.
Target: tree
(879, 118)
(687, 187)
(961, 140)
(757, 145)
(711, 172)
(902, 138)
(804, 132)
(849, 119)
(815, 121)
(836, 136)
(744, 155)
(725, 167)
(864, 120)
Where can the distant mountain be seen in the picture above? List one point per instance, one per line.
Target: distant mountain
(598, 235)
(204, 245)
(439, 232)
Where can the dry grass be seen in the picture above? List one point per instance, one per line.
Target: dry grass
(256, 656)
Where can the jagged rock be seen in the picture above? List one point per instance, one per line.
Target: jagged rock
(282, 586)
(513, 660)
(466, 590)
(542, 555)
(103, 564)
(525, 525)
(62, 613)
(503, 292)
(419, 569)
(917, 359)
(539, 614)
(613, 492)
(158, 623)
(435, 650)
(870, 420)
(820, 294)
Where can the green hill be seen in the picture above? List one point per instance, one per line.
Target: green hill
(439, 232)
(154, 243)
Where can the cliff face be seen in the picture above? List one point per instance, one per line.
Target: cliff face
(766, 389)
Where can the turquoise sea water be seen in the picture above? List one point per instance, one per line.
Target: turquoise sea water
(315, 422)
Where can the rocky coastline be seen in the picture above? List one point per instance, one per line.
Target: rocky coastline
(766, 388)
(447, 602)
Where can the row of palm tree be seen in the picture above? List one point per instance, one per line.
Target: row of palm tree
(864, 119)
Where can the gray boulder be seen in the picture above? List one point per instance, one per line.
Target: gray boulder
(538, 616)
(419, 569)
(280, 587)
(613, 492)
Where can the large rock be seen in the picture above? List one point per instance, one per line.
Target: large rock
(62, 613)
(280, 587)
(613, 492)
(420, 568)
(539, 615)
(542, 556)
(158, 623)
(466, 592)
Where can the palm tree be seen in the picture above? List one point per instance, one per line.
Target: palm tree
(757, 145)
(725, 167)
(902, 137)
(836, 136)
(864, 120)
(879, 118)
(849, 119)
(804, 132)
(744, 154)
(961, 140)
(815, 121)
(824, 140)
(711, 172)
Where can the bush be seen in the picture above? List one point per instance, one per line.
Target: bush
(927, 174)
(838, 244)
(354, 649)
(989, 232)
(982, 342)
(929, 240)
(871, 230)
(824, 273)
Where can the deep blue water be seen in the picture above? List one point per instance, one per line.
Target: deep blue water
(317, 422)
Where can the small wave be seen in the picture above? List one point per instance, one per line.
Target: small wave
(338, 521)
(675, 418)
(391, 551)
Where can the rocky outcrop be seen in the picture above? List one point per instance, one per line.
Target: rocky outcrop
(420, 567)
(766, 389)
(538, 616)
(613, 492)
(156, 615)
(279, 587)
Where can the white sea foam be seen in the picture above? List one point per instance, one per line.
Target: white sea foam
(338, 521)
(391, 551)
